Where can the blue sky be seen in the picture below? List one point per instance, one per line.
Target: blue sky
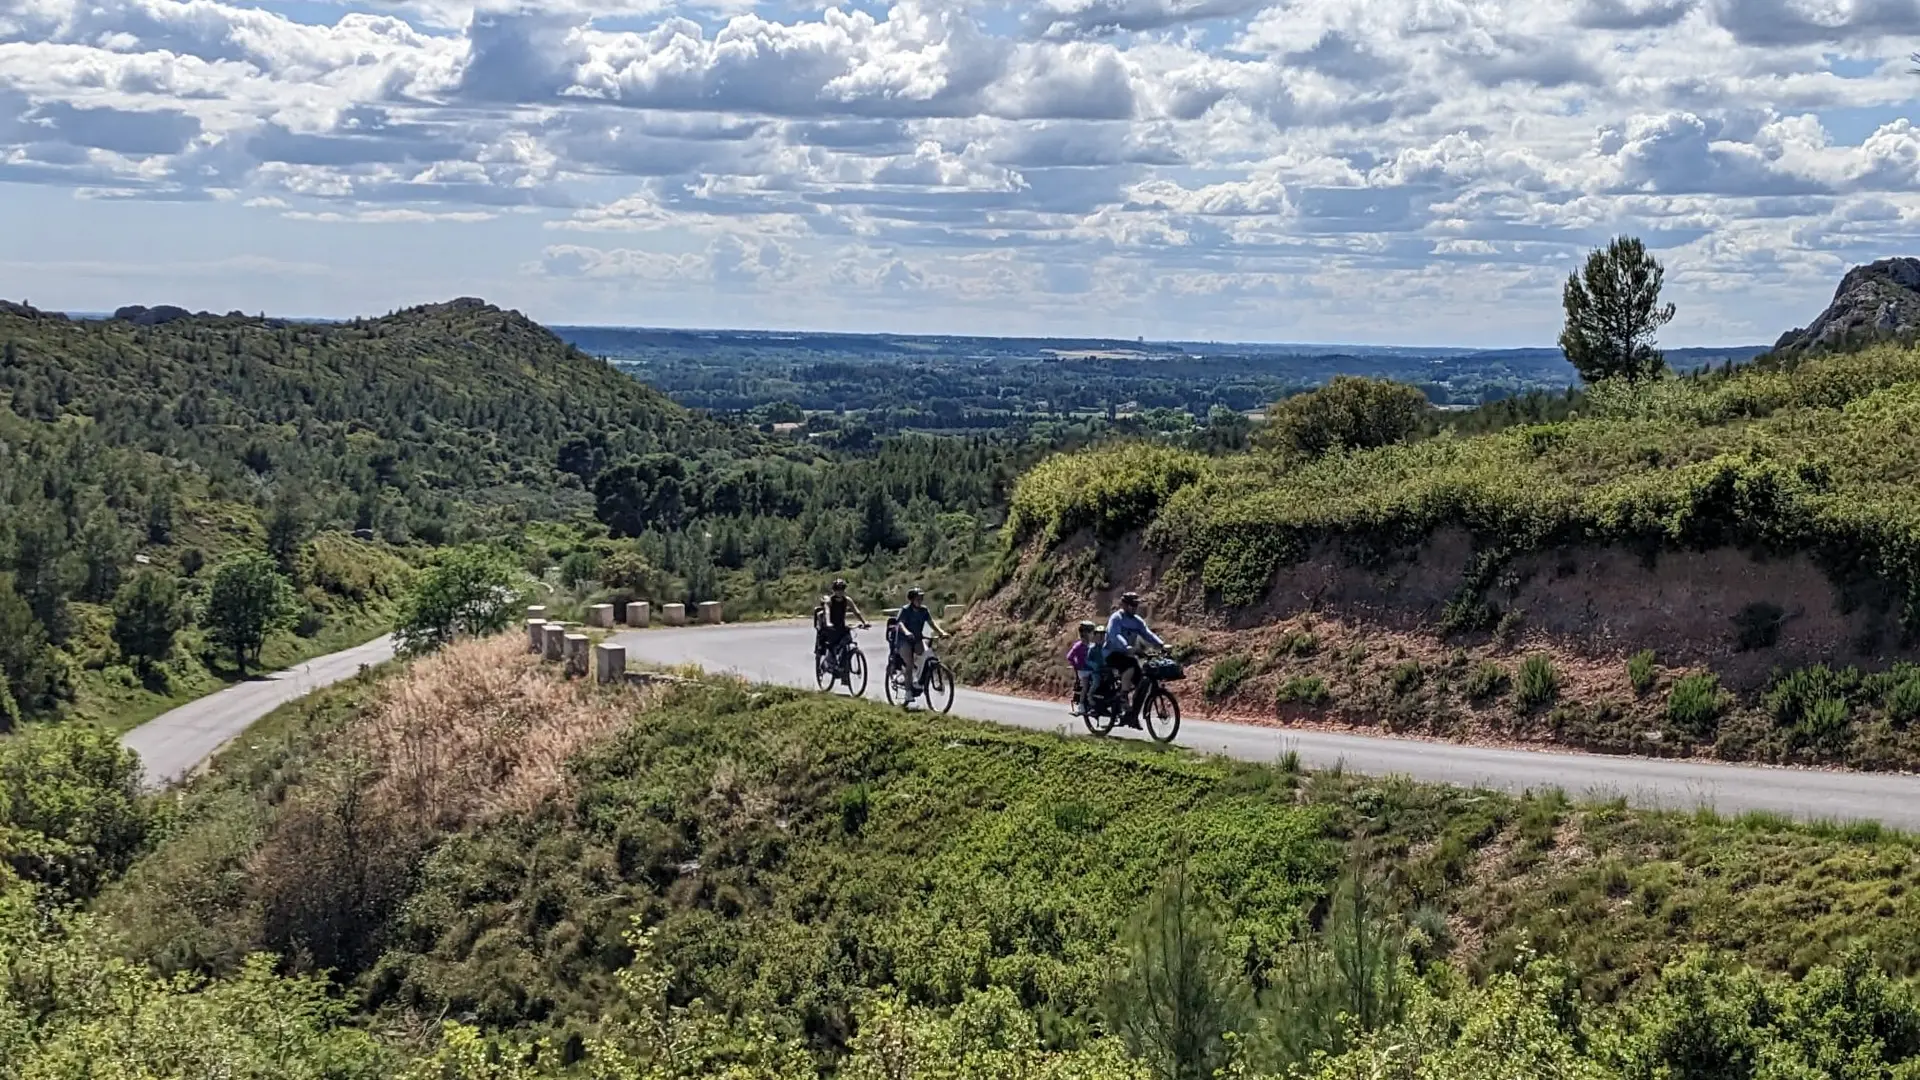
(1393, 171)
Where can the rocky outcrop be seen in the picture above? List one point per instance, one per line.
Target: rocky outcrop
(1876, 302)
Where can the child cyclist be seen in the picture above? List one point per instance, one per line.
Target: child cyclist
(1077, 660)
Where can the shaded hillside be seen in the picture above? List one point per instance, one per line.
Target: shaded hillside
(1741, 528)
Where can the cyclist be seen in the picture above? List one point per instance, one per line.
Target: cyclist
(835, 634)
(915, 620)
(1127, 632)
(1077, 660)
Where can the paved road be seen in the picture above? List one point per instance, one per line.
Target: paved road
(173, 744)
(782, 653)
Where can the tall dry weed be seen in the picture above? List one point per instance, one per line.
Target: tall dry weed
(473, 732)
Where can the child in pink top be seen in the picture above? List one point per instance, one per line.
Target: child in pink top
(1077, 660)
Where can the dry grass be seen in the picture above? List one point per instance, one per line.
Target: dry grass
(465, 736)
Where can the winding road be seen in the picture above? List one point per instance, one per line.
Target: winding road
(173, 745)
(783, 653)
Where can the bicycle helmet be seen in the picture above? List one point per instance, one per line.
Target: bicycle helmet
(1130, 598)
(839, 584)
(915, 593)
(1086, 625)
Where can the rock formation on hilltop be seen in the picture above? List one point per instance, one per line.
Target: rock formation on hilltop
(1875, 302)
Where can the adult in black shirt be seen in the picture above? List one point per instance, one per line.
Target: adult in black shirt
(835, 632)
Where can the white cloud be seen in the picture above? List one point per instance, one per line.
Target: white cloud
(1187, 160)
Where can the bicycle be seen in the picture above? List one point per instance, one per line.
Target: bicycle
(844, 664)
(936, 682)
(1159, 708)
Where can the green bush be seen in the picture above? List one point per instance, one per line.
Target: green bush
(1487, 682)
(1298, 643)
(1694, 705)
(1111, 490)
(1642, 671)
(1304, 690)
(1902, 699)
(1406, 677)
(1539, 683)
(71, 816)
(1507, 630)
(1227, 675)
(1349, 413)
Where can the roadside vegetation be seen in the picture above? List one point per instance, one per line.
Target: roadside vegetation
(681, 882)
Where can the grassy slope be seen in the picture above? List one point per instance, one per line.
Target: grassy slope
(1814, 460)
(797, 852)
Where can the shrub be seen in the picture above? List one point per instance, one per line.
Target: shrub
(1405, 678)
(1110, 490)
(1507, 630)
(1297, 643)
(579, 568)
(1466, 613)
(1304, 690)
(468, 592)
(70, 813)
(1814, 706)
(1642, 672)
(1694, 704)
(1488, 681)
(1757, 626)
(1227, 675)
(1348, 413)
(1539, 682)
(1902, 699)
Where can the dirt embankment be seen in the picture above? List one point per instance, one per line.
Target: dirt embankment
(1538, 654)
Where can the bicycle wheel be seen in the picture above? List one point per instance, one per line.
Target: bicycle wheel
(939, 688)
(857, 673)
(823, 670)
(1098, 723)
(1162, 715)
(895, 682)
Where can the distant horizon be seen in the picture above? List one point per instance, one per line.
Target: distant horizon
(788, 332)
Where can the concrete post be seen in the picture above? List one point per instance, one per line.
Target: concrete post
(639, 615)
(537, 611)
(576, 653)
(534, 627)
(674, 614)
(710, 613)
(953, 613)
(610, 663)
(600, 615)
(553, 637)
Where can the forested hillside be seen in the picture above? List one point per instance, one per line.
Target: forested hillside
(145, 451)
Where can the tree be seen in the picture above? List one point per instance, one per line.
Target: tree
(28, 665)
(249, 600)
(1613, 312)
(879, 524)
(1181, 992)
(286, 531)
(147, 614)
(1349, 413)
(469, 591)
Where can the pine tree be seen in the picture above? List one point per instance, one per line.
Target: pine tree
(1613, 312)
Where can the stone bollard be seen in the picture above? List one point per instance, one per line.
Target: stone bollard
(674, 614)
(534, 628)
(576, 653)
(553, 638)
(639, 614)
(710, 613)
(537, 611)
(610, 663)
(953, 613)
(600, 615)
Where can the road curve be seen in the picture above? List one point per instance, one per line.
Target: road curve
(173, 744)
(782, 653)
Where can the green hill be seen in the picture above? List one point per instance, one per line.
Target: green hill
(166, 440)
(1758, 532)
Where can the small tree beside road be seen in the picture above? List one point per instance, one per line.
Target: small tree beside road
(249, 600)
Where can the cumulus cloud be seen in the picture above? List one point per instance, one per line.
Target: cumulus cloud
(940, 152)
